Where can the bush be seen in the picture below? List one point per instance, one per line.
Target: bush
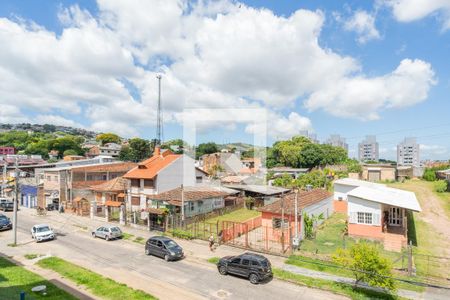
(367, 265)
(440, 186)
(182, 234)
(429, 175)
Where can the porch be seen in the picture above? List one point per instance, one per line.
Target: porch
(394, 227)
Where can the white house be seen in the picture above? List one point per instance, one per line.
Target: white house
(376, 211)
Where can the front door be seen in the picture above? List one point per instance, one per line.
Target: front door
(395, 216)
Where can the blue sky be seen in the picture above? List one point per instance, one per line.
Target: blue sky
(347, 67)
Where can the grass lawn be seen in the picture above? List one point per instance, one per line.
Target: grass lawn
(14, 279)
(97, 284)
(331, 268)
(240, 215)
(328, 285)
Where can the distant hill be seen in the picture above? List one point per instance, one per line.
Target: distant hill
(47, 128)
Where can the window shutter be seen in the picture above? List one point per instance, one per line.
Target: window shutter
(353, 217)
(376, 219)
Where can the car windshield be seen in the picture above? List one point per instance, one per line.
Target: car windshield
(170, 244)
(115, 229)
(3, 218)
(43, 229)
(264, 263)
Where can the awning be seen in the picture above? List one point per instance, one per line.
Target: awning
(121, 195)
(113, 203)
(7, 190)
(155, 211)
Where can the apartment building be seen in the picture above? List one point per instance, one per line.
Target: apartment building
(368, 149)
(408, 152)
(337, 141)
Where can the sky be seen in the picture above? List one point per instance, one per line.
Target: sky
(234, 69)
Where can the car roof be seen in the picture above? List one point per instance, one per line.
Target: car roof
(254, 256)
(160, 238)
(41, 225)
(108, 226)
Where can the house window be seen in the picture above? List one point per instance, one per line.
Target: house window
(148, 183)
(135, 183)
(191, 206)
(277, 223)
(364, 218)
(199, 179)
(135, 201)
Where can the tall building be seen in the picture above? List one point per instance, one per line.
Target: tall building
(309, 135)
(368, 149)
(408, 152)
(337, 141)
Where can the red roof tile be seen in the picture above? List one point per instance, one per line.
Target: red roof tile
(304, 199)
(149, 168)
(190, 194)
(114, 185)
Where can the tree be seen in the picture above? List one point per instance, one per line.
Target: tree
(311, 155)
(367, 265)
(65, 143)
(316, 178)
(138, 150)
(70, 152)
(309, 222)
(288, 152)
(429, 175)
(285, 180)
(333, 155)
(353, 166)
(178, 143)
(105, 138)
(206, 148)
(38, 148)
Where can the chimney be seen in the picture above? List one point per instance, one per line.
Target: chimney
(157, 151)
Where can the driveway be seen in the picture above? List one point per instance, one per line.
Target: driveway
(126, 262)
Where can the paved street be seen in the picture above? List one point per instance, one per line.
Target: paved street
(126, 262)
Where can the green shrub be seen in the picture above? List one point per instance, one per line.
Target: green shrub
(182, 234)
(440, 186)
(429, 175)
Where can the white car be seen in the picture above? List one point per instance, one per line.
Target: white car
(42, 232)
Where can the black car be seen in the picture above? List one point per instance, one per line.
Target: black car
(5, 223)
(7, 206)
(163, 247)
(255, 267)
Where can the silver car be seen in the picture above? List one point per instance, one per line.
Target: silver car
(42, 232)
(107, 232)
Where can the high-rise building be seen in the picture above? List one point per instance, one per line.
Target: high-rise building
(408, 152)
(368, 149)
(309, 135)
(337, 141)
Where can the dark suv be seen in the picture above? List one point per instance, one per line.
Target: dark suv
(255, 267)
(163, 247)
(5, 223)
(7, 206)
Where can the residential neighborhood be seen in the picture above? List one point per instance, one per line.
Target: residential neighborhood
(224, 150)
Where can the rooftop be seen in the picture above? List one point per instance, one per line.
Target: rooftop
(192, 193)
(260, 189)
(304, 199)
(149, 168)
(114, 185)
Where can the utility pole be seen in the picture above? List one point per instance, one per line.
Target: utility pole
(159, 114)
(282, 221)
(16, 183)
(182, 205)
(296, 241)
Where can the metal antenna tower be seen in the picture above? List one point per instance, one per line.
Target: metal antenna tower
(159, 116)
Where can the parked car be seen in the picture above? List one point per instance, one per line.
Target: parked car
(163, 247)
(255, 267)
(53, 206)
(7, 206)
(107, 232)
(5, 223)
(42, 232)
(2, 200)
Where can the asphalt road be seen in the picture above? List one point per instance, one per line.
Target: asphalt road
(126, 259)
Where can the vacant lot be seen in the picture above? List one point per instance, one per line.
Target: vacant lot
(240, 215)
(431, 238)
(15, 279)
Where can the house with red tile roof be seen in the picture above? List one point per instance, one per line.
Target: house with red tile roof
(279, 216)
(162, 172)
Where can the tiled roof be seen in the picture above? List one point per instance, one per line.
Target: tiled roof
(114, 185)
(149, 168)
(304, 199)
(191, 193)
(86, 184)
(106, 167)
(113, 203)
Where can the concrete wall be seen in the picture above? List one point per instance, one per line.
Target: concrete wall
(203, 206)
(341, 190)
(324, 207)
(356, 205)
(181, 171)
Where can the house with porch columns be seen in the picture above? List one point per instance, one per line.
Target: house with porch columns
(376, 212)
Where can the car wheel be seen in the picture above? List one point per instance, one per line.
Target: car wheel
(94, 235)
(107, 238)
(166, 257)
(253, 278)
(147, 252)
(223, 270)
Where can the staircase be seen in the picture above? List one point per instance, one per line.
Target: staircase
(394, 242)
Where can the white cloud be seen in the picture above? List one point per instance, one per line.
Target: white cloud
(217, 54)
(55, 120)
(362, 97)
(363, 24)
(413, 10)
(11, 114)
(431, 151)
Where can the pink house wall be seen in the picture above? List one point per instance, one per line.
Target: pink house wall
(368, 231)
